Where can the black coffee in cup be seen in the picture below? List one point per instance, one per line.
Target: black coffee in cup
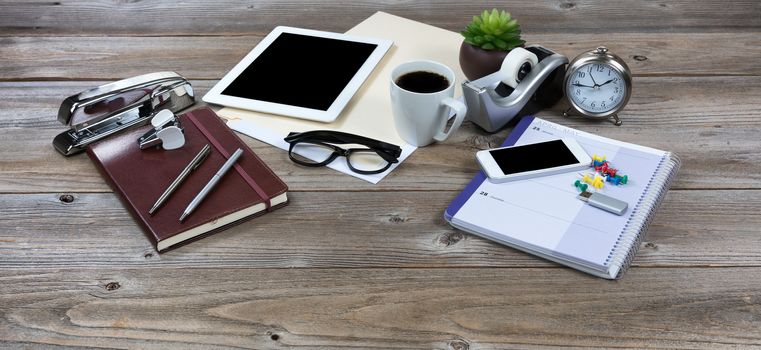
(422, 82)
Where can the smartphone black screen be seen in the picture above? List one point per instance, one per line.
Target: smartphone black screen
(533, 157)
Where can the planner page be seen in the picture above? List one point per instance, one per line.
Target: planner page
(545, 214)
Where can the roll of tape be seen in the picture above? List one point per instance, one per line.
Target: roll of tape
(516, 65)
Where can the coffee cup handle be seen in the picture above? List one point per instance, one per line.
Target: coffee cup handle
(460, 110)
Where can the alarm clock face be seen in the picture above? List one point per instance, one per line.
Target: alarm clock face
(596, 88)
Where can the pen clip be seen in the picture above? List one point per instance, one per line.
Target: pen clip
(205, 153)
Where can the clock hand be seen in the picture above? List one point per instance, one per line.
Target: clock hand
(606, 82)
(589, 86)
(592, 76)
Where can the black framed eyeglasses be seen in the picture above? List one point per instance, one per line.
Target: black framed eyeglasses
(318, 148)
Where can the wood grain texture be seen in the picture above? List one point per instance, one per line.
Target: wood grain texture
(112, 58)
(698, 308)
(165, 18)
(359, 266)
(384, 229)
(716, 137)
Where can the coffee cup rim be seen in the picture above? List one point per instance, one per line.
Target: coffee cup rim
(450, 76)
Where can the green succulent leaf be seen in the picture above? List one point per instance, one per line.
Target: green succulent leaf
(493, 30)
(509, 36)
(494, 18)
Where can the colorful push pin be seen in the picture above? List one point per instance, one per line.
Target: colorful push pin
(613, 179)
(587, 178)
(597, 158)
(624, 179)
(612, 172)
(581, 186)
(598, 182)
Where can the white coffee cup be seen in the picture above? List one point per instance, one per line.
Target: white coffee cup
(421, 117)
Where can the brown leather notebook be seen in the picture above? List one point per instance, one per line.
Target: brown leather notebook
(141, 176)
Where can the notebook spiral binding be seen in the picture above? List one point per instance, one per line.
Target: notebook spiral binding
(628, 243)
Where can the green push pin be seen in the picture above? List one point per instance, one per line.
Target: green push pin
(581, 186)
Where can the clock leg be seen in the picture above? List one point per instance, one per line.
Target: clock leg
(613, 118)
(616, 120)
(565, 114)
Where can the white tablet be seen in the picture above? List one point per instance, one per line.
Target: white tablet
(300, 73)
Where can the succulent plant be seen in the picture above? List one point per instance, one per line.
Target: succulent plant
(493, 30)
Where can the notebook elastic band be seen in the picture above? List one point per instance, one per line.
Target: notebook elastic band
(226, 154)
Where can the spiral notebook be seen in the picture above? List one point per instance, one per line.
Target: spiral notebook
(544, 217)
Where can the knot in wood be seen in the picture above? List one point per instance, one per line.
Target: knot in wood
(651, 245)
(567, 5)
(396, 219)
(66, 198)
(450, 238)
(112, 286)
(458, 345)
(640, 58)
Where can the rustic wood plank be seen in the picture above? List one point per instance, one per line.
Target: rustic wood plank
(716, 138)
(354, 265)
(380, 308)
(110, 58)
(234, 17)
(385, 229)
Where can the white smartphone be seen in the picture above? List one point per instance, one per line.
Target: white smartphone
(533, 160)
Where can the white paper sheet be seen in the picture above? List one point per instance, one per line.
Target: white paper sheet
(276, 139)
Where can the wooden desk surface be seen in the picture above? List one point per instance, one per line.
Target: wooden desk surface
(354, 265)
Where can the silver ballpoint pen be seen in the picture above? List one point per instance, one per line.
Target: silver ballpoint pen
(213, 182)
(193, 165)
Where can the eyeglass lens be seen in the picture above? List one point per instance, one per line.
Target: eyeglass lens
(311, 153)
(366, 160)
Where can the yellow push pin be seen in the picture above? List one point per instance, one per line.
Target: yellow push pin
(588, 179)
(598, 158)
(598, 182)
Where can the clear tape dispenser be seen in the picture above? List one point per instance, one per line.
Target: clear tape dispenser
(530, 79)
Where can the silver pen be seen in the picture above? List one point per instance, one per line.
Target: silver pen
(213, 182)
(193, 165)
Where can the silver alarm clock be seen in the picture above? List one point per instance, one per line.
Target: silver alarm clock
(598, 85)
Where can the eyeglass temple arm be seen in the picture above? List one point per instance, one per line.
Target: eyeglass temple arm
(342, 137)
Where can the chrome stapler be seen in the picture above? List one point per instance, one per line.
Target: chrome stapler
(109, 109)
(492, 103)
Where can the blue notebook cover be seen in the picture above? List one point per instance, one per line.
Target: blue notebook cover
(460, 200)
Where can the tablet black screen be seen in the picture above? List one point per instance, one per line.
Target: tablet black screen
(301, 70)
